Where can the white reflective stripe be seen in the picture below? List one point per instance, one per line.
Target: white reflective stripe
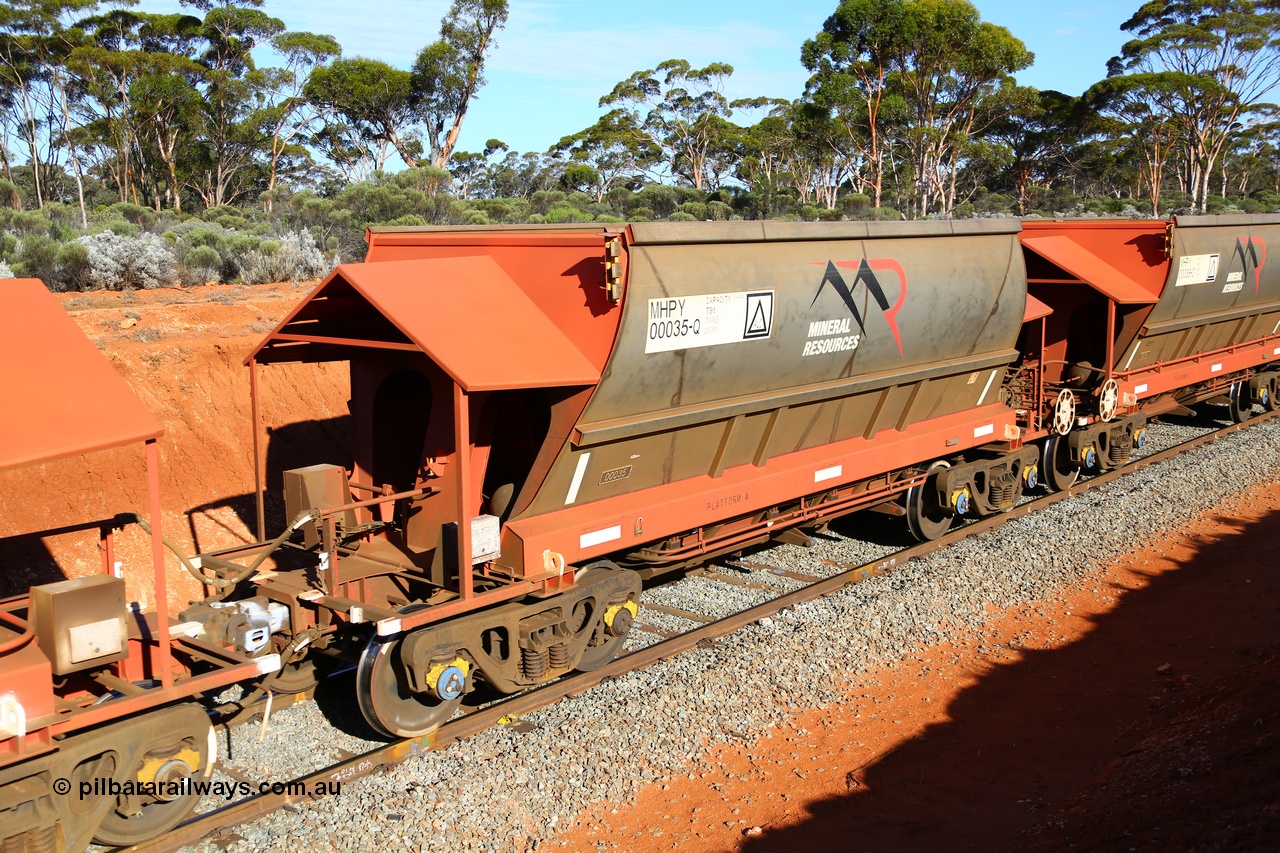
(577, 479)
(1135, 352)
(987, 387)
(599, 537)
(1139, 389)
(979, 432)
(1275, 351)
(1215, 368)
(828, 473)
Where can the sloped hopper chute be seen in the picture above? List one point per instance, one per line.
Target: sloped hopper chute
(1093, 270)
(495, 338)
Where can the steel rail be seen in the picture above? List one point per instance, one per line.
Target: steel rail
(460, 728)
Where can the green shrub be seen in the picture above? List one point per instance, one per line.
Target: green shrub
(63, 232)
(696, 209)
(74, 271)
(852, 204)
(207, 236)
(234, 223)
(543, 200)
(10, 195)
(38, 258)
(409, 219)
(662, 200)
(565, 213)
(201, 265)
(62, 214)
(134, 213)
(121, 228)
(681, 216)
(29, 222)
(213, 214)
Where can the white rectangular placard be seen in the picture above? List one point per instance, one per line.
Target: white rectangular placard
(1196, 269)
(599, 537)
(708, 319)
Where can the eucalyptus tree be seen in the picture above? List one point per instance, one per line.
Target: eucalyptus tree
(765, 143)
(682, 111)
(615, 148)
(933, 65)
(231, 89)
(1038, 128)
(35, 39)
(449, 72)
(855, 63)
(285, 112)
(1205, 64)
(469, 169)
(166, 106)
(131, 68)
(1142, 118)
(376, 105)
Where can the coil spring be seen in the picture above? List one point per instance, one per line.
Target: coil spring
(558, 656)
(533, 663)
(1004, 489)
(1120, 449)
(43, 840)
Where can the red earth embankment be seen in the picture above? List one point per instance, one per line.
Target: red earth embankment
(182, 352)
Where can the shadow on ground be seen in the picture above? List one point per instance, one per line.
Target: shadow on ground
(1031, 734)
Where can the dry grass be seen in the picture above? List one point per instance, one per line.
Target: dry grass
(147, 335)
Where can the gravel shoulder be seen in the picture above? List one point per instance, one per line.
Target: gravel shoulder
(1138, 710)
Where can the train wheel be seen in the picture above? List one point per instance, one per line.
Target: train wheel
(1239, 404)
(1057, 470)
(612, 636)
(183, 750)
(927, 519)
(382, 691)
(1271, 404)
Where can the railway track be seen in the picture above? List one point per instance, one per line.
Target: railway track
(665, 644)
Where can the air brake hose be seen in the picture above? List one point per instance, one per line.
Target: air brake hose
(239, 577)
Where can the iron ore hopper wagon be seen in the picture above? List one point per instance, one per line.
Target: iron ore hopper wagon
(543, 417)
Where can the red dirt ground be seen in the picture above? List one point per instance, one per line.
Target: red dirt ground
(183, 357)
(1139, 712)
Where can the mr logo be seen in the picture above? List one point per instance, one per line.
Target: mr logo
(1251, 258)
(866, 274)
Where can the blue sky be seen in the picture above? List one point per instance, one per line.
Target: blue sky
(556, 58)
